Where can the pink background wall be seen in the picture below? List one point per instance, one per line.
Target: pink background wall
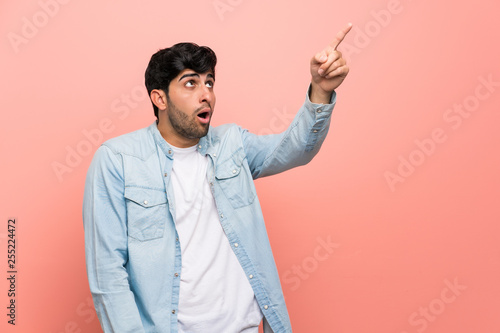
(398, 227)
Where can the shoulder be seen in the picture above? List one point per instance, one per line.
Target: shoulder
(139, 143)
(225, 131)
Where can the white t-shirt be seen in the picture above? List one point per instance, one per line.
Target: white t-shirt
(215, 295)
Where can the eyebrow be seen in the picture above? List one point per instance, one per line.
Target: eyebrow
(210, 75)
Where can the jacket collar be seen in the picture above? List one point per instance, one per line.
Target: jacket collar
(206, 145)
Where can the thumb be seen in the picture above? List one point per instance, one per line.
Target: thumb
(319, 58)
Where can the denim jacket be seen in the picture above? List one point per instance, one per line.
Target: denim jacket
(133, 255)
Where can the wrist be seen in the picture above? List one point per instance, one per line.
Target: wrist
(318, 95)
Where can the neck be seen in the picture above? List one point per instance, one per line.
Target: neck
(173, 138)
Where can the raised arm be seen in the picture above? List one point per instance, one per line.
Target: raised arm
(271, 154)
(104, 221)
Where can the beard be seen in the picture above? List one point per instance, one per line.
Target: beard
(185, 125)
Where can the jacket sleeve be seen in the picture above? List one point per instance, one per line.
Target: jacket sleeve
(297, 145)
(106, 254)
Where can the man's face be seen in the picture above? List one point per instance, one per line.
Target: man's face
(190, 104)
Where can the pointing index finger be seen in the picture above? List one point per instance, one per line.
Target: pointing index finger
(340, 36)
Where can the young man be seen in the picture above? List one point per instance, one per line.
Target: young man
(175, 239)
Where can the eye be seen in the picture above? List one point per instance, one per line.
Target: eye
(210, 84)
(189, 83)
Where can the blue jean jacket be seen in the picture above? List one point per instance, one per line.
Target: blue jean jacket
(133, 255)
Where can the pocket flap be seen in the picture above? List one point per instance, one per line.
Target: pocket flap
(231, 167)
(145, 197)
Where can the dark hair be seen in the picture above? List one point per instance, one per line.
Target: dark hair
(167, 63)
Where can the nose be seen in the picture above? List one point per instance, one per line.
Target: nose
(207, 96)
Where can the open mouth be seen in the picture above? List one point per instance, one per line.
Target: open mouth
(204, 116)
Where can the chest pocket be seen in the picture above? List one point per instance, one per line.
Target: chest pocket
(146, 212)
(235, 180)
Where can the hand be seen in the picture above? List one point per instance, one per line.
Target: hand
(328, 68)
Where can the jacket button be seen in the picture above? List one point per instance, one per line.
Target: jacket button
(265, 307)
(145, 202)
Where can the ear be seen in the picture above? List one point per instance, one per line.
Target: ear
(159, 98)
